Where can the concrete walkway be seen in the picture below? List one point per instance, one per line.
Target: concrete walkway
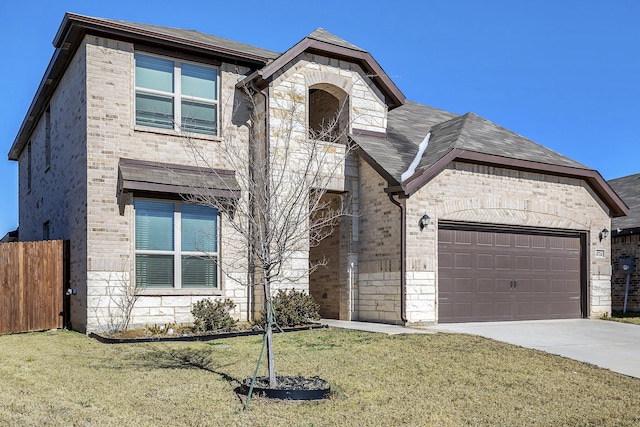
(610, 345)
(381, 328)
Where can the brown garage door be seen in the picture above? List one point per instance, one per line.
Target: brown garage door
(491, 276)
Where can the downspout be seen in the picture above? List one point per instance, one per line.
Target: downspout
(403, 262)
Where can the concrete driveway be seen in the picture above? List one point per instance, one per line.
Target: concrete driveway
(610, 345)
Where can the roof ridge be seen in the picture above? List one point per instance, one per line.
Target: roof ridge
(463, 122)
(323, 35)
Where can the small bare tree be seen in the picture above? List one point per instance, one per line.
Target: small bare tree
(284, 170)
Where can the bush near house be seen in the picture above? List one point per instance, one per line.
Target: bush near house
(213, 316)
(293, 308)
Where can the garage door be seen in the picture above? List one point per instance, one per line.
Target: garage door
(507, 275)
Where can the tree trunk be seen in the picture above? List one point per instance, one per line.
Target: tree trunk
(269, 332)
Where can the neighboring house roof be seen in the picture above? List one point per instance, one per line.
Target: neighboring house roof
(11, 236)
(628, 188)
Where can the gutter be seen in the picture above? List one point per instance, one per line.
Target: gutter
(403, 261)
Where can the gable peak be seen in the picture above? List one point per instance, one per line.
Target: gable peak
(322, 35)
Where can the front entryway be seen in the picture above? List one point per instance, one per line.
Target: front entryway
(488, 275)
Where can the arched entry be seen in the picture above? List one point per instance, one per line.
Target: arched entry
(328, 115)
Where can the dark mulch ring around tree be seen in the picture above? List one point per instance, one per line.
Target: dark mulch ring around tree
(196, 336)
(289, 388)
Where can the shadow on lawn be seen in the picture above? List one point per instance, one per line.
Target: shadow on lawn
(188, 359)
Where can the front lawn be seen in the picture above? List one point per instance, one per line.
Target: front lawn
(65, 378)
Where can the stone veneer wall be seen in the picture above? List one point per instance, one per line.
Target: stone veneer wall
(58, 191)
(485, 194)
(623, 247)
(289, 106)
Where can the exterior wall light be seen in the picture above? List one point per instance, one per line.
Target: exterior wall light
(424, 222)
(603, 234)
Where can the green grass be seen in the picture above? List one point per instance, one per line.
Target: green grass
(629, 317)
(65, 378)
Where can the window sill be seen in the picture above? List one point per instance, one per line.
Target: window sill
(179, 292)
(172, 132)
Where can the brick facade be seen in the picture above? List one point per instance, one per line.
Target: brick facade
(485, 194)
(58, 193)
(623, 247)
(92, 126)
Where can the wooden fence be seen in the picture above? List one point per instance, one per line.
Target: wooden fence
(33, 279)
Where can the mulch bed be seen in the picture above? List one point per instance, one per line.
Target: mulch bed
(202, 336)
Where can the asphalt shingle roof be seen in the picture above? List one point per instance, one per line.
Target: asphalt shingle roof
(628, 188)
(323, 35)
(409, 124)
(196, 36)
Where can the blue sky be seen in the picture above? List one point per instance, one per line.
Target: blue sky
(564, 73)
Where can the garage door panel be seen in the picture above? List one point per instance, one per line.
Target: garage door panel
(508, 276)
(523, 263)
(538, 263)
(462, 260)
(485, 239)
(538, 242)
(462, 238)
(463, 285)
(572, 264)
(502, 240)
(484, 261)
(540, 286)
(503, 262)
(557, 264)
(522, 241)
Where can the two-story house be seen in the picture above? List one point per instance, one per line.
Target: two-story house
(456, 218)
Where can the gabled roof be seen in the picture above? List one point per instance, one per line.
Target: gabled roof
(406, 128)
(628, 188)
(471, 132)
(324, 43)
(322, 35)
(466, 138)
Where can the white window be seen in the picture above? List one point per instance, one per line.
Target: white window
(176, 95)
(176, 245)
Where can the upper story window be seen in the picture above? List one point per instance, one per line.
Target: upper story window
(176, 95)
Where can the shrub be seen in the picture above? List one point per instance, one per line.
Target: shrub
(293, 308)
(213, 316)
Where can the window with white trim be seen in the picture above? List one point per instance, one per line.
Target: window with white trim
(176, 95)
(176, 245)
